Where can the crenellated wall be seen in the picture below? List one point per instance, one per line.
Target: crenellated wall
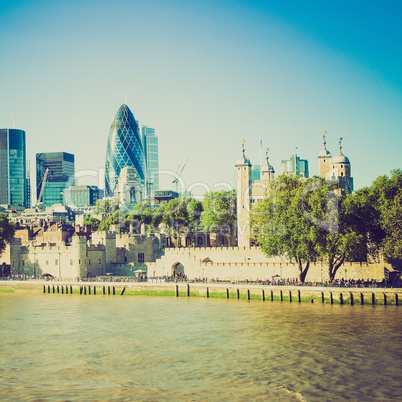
(234, 263)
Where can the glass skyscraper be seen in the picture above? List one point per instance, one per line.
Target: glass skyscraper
(13, 179)
(150, 142)
(124, 148)
(60, 175)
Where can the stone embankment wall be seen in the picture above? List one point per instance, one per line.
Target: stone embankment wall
(234, 263)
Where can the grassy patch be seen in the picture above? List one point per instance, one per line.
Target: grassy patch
(7, 289)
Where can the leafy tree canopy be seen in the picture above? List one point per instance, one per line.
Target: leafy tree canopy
(7, 231)
(219, 211)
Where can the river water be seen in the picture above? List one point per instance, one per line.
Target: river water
(89, 348)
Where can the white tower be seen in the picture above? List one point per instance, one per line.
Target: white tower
(243, 170)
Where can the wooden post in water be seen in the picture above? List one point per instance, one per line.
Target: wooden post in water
(122, 292)
(248, 294)
(281, 294)
(80, 290)
(340, 298)
(66, 289)
(396, 299)
(114, 290)
(44, 289)
(290, 296)
(94, 290)
(385, 299)
(188, 290)
(89, 289)
(104, 290)
(373, 299)
(263, 295)
(227, 293)
(272, 295)
(361, 298)
(85, 290)
(207, 293)
(322, 297)
(177, 290)
(108, 290)
(62, 289)
(48, 288)
(58, 290)
(298, 296)
(238, 293)
(331, 298)
(71, 289)
(351, 298)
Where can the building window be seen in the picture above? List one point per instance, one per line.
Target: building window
(89, 262)
(56, 262)
(341, 173)
(71, 262)
(47, 262)
(141, 257)
(100, 261)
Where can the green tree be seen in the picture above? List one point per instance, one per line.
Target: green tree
(219, 212)
(175, 215)
(106, 207)
(386, 193)
(194, 210)
(7, 231)
(91, 220)
(281, 227)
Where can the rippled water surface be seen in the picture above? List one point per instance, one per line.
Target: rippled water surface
(69, 347)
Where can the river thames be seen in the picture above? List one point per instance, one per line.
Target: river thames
(69, 347)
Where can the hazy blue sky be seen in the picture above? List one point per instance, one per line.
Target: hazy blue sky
(205, 75)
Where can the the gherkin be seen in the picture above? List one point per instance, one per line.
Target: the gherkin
(124, 148)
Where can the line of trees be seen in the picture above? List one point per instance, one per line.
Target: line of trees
(217, 212)
(308, 221)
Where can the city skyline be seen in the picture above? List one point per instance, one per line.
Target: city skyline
(214, 73)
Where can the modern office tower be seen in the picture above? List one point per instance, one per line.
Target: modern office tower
(28, 179)
(13, 183)
(150, 142)
(124, 148)
(295, 166)
(255, 173)
(81, 196)
(54, 173)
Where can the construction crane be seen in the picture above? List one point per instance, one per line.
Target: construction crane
(42, 187)
(176, 180)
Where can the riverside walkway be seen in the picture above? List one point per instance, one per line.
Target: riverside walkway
(249, 291)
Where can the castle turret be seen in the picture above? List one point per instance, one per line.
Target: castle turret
(341, 171)
(243, 170)
(267, 172)
(324, 159)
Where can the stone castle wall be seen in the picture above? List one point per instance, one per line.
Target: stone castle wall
(234, 263)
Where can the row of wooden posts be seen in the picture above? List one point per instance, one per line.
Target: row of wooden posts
(331, 297)
(108, 290)
(83, 289)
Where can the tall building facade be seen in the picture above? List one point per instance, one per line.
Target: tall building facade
(13, 175)
(151, 151)
(124, 148)
(81, 196)
(54, 173)
(295, 166)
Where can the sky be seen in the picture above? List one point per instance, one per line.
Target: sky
(206, 75)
